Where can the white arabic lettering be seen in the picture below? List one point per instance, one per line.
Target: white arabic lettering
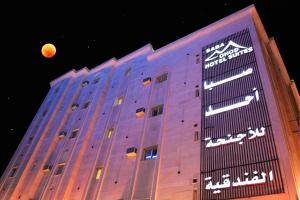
(227, 183)
(211, 85)
(246, 102)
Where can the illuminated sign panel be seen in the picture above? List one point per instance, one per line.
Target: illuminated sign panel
(238, 154)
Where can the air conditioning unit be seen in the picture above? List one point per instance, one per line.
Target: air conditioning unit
(131, 152)
(147, 81)
(47, 168)
(140, 112)
(74, 106)
(62, 134)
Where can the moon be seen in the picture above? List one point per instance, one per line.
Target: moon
(48, 50)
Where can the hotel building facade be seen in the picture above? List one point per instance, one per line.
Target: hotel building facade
(213, 115)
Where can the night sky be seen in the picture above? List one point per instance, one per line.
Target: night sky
(88, 35)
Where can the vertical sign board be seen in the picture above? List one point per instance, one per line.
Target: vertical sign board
(238, 154)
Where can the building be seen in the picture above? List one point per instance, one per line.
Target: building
(213, 115)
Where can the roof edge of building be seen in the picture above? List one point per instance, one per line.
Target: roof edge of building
(250, 10)
(153, 54)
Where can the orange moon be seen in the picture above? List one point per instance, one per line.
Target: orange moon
(48, 50)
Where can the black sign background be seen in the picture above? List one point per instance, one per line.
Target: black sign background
(235, 159)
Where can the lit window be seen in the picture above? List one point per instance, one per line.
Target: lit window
(98, 174)
(150, 153)
(74, 133)
(140, 112)
(60, 168)
(84, 83)
(162, 78)
(118, 101)
(157, 110)
(110, 132)
(147, 81)
(131, 152)
(13, 172)
(85, 105)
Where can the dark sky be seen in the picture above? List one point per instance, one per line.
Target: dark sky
(87, 35)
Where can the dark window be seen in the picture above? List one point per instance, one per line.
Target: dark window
(96, 80)
(150, 153)
(196, 136)
(13, 172)
(30, 139)
(197, 59)
(157, 110)
(195, 194)
(56, 90)
(128, 72)
(47, 168)
(60, 168)
(44, 113)
(74, 133)
(162, 78)
(85, 105)
(74, 106)
(197, 93)
(84, 83)
(62, 134)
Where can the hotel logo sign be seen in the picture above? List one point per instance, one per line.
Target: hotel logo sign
(220, 53)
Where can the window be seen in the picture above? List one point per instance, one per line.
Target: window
(96, 80)
(13, 172)
(162, 78)
(60, 168)
(128, 72)
(118, 101)
(110, 132)
(195, 194)
(197, 93)
(47, 168)
(85, 105)
(74, 106)
(74, 133)
(147, 81)
(196, 136)
(157, 110)
(197, 59)
(84, 83)
(98, 173)
(131, 152)
(150, 153)
(62, 134)
(56, 90)
(44, 113)
(140, 112)
(30, 139)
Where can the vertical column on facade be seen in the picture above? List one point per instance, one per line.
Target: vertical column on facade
(37, 131)
(53, 146)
